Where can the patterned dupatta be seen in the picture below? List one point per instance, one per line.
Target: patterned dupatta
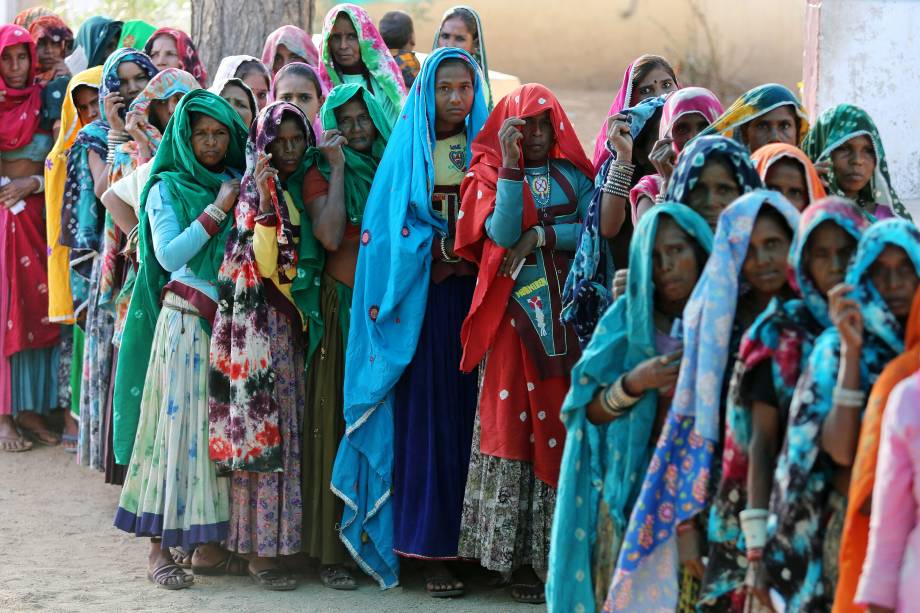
(297, 42)
(802, 480)
(688, 101)
(602, 466)
(188, 53)
(677, 482)
(766, 156)
(54, 28)
(244, 417)
(692, 160)
(755, 103)
(783, 336)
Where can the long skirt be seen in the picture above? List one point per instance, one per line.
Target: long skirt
(434, 412)
(266, 508)
(507, 513)
(96, 376)
(76, 370)
(171, 488)
(324, 427)
(34, 380)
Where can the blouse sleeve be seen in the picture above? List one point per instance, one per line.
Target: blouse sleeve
(565, 235)
(265, 244)
(894, 509)
(172, 245)
(504, 224)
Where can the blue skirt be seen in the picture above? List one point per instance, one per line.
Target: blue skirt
(434, 412)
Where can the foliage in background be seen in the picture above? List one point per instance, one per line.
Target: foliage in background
(175, 13)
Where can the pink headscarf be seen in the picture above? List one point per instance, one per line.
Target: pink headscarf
(686, 101)
(19, 109)
(648, 186)
(623, 100)
(296, 40)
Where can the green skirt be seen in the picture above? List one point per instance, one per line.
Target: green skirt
(323, 428)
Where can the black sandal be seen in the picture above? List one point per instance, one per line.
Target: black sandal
(170, 577)
(274, 580)
(338, 578)
(233, 565)
(529, 593)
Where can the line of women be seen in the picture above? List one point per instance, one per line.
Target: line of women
(306, 317)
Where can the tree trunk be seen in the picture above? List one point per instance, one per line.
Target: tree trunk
(234, 27)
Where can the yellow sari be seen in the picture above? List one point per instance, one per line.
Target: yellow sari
(60, 300)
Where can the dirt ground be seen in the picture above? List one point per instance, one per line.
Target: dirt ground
(60, 553)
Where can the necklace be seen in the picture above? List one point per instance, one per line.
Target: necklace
(540, 185)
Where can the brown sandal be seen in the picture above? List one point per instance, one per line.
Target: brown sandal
(14, 444)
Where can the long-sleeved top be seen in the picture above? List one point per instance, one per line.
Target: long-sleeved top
(892, 567)
(174, 246)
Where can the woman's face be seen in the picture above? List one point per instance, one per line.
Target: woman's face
(356, 125)
(343, 42)
(854, 164)
(453, 95)
(787, 177)
(236, 96)
(210, 141)
(50, 52)
(827, 255)
(283, 57)
(895, 278)
(288, 147)
(132, 81)
(715, 189)
(539, 138)
(777, 126)
(656, 83)
(257, 82)
(686, 127)
(675, 268)
(165, 53)
(162, 110)
(764, 264)
(15, 62)
(301, 92)
(86, 101)
(454, 33)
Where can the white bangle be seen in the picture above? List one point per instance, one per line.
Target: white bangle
(213, 211)
(853, 399)
(754, 527)
(541, 236)
(41, 183)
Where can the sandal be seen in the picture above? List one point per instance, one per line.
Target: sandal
(69, 443)
(170, 577)
(274, 580)
(338, 578)
(529, 593)
(14, 444)
(441, 583)
(182, 557)
(43, 436)
(233, 565)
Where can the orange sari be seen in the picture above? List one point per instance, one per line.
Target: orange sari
(856, 527)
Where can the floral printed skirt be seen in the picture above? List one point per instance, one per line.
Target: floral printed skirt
(266, 508)
(507, 513)
(172, 489)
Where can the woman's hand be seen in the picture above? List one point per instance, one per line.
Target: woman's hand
(264, 175)
(657, 373)
(229, 192)
(662, 157)
(135, 124)
(619, 138)
(689, 550)
(824, 170)
(331, 148)
(509, 137)
(758, 584)
(847, 318)
(516, 254)
(16, 190)
(111, 106)
(620, 277)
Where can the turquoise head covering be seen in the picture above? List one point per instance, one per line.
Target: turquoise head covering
(94, 37)
(605, 464)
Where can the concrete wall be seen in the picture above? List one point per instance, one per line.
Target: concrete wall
(586, 44)
(865, 52)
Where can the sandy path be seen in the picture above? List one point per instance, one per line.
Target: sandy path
(60, 553)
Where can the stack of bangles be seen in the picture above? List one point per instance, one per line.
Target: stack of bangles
(754, 527)
(615, 401)
(214, 212)
(116, 137)
(851, 399)
(619, 179)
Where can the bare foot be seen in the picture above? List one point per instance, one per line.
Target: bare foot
(440, 582)
(10, 439)
(36, 427)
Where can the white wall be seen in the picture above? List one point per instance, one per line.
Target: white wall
(865, 52)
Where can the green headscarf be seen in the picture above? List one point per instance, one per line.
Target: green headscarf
(358, 176)
(94, 36)
(191, 188)
(135, 33)
(834, 127)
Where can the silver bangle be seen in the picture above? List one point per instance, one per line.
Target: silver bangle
(853, 399)
(541, 236)
(213, 211)
(447, 258)
(41, 183)
(615, 400)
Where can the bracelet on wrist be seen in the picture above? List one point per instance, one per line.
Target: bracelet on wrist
(854, 399)
(541, 236)
(444, 255)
